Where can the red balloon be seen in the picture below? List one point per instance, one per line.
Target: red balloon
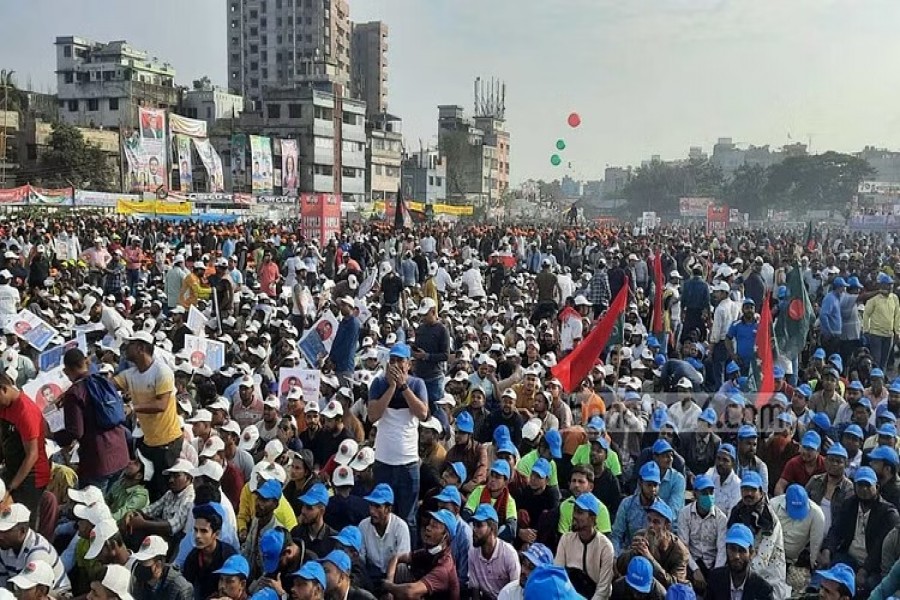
(574, 120)
(796, 309)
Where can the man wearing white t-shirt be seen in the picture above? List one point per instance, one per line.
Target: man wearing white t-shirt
(398, 401)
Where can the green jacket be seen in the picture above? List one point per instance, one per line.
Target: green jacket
(123, 500)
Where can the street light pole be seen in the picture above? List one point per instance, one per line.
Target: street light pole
(5, 78)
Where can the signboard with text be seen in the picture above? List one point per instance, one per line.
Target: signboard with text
(320, 216)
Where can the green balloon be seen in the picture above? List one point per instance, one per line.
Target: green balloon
(560, 144)
(555, 160)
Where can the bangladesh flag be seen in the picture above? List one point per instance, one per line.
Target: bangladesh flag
(795, 317)
(810, 237)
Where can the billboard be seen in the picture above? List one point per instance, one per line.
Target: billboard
(185, 166)
(716, 219)
(60, 197)
(290, 178)
(261, 160)
(878, 187)
(191, 127)
(212, 163)
(694, 208)
(145, 152)
(239, 152)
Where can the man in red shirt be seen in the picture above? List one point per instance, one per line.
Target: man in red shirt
(428, 571)
(802, 467)
(22, 432)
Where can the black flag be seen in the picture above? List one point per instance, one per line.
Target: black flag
(398, 211)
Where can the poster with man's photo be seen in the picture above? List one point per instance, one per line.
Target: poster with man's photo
(45, 389)
(316, 343)
(307, 379)
(33, 329)
(203, 351)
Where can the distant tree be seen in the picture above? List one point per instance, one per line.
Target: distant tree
(203, 83)
(70, 161)
(658, 185)
(826, 180)
(747, 189)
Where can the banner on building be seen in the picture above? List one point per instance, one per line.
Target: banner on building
(451, 210)
(716, 219)
(212, 163)
(60, 197)
(878, 187)
(290, 155)
(145, 152)
(276, 200)
(261, 157)
(239, 152)
(101, 199)
(210, 198)
(153, 207)
(186, 126)
(694, 208)
(14, 196)
(185, 165)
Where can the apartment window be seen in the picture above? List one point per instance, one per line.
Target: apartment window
(309, 20)
(235, 58)
(279, 38)
(254, 31)
(254, 66)
(263, 23)
(208, 112)
(323, 170)
(73, 105)
(431, 180)
(234, 25)
(278, 4)
(324, 143)
(263, 7)
(67, 51)
(107, 76)
(93, 105)
(295, 111)
(265, 73)
(265, 40)
(290, 21)
(254, 48)
(234, 7)
(113, 104)
(348, 172)
(264, 56)
(254, 83)
(254, 14)
(278, 22)
(437, 181)
(69, 77)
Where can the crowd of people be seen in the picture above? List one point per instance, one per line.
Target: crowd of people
(452, 448)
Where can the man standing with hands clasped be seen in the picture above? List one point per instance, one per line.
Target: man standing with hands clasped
(398, 402)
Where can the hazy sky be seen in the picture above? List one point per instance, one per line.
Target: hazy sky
(647, 76)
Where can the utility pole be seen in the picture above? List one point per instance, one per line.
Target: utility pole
(5, 80)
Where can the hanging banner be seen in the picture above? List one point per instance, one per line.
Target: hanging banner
(439, 209)
(102, 199)
(212, 163)
(185, 166)
(716, 219)
(290, 179)
(239, 180)
(153, 207)
(694, 208)
(261, 155)
(14, 196)
(186, 126)
(145, 152)
(60, 197)
(203, 198)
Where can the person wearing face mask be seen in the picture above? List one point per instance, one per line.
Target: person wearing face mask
(857, 535)
(428, 571)
(702, 526)
(153, 578)
(881, 321)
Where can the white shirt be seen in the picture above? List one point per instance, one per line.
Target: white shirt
(685, 419)
(799, 534)
(727, 312)
(703, 536)
(9, 299)
(379, 550)
(474, 284)
(728, 492)
(428, 244)
(442, 280)
(35, 547)
(566, 286)
(512, 591)
(570, 330)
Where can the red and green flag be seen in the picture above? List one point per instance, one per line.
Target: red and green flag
(795, 316)
(764, 350)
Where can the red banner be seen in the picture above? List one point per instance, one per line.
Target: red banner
(764, 349)
(320, 216)
(716, 219)
(17, 195)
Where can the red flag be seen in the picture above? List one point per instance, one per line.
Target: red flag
(764, 349)
(656, 327)
(572, 369)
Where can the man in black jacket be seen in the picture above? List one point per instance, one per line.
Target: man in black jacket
(877, 517)
(736, 573)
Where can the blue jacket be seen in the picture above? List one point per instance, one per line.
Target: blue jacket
(830, 315)
(696, 295)
(630, 518)
(346, 342)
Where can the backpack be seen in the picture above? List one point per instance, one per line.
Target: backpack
(109, 410)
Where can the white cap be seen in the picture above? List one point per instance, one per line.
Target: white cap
(118, 580)
(722, 286)
(100, 534)
(343, 476)
(311, 406)
(231, 426)
(202, 416)
(181, 466)
(333, 409)
(364, 459)
(346, 452)
(213, 445)
(89, 495)
(426, 305)
(447, 399)
(274, 448)
(14, 515)
(272, 402)
(347, 300)
(433, 424)
(149, 469)
(675, 275)
(685, 384)
(209, 469)
(582, 301)
(531, 429)
(246, 381)
(93, 513)
(249, 437)
(152, 547)
(36, 572)
(140, 336)
(221, 403)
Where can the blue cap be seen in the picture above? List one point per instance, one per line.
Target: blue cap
(894, 388)
(317, 494)
(381, 494)
(541, 468)
(732, 367)
(549, 581)
(853, 282)
(554, 442)
(662, 446)
(729, 450)
(886, 454)
(856, 385)
(739, 535)
(235, 565)
(680, 591)
(500, 467)
(888, 429)
(265, 593)
(746, 432)
(876, 372)
(883, 412)
(821, 420)
(604, 443)
(271, 544)
(596, 424)
(312, 571)
(811, 440)
(650, 472)
(270, 490)
(796, 502)
(340, 559)
(507, 447)
(640, 575)
(658, 418)
(464, 422)
(694, 362)
(659, 360)
(778, 373)
(837, 450)
(749, 301)
(837, 361)
(885, 279)
(501, 434)
(652, 342)
(445, 518)
(702, 482)
(787, 417)
(400, 350)
(708, 415)
(804, 390)
(662, 509)
(854, 430)
(485, 512)
(841, 574)
(350, 536)
(632, 395)
(589, 503)
(460, 470)
(451, 494)
(865, 402)
(838, 282)
(751, 479)
(538, 554)
(737, 399)
(782, 292)
(865, 475)
(819, 354)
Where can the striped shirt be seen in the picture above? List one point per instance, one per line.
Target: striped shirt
(34, 548)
